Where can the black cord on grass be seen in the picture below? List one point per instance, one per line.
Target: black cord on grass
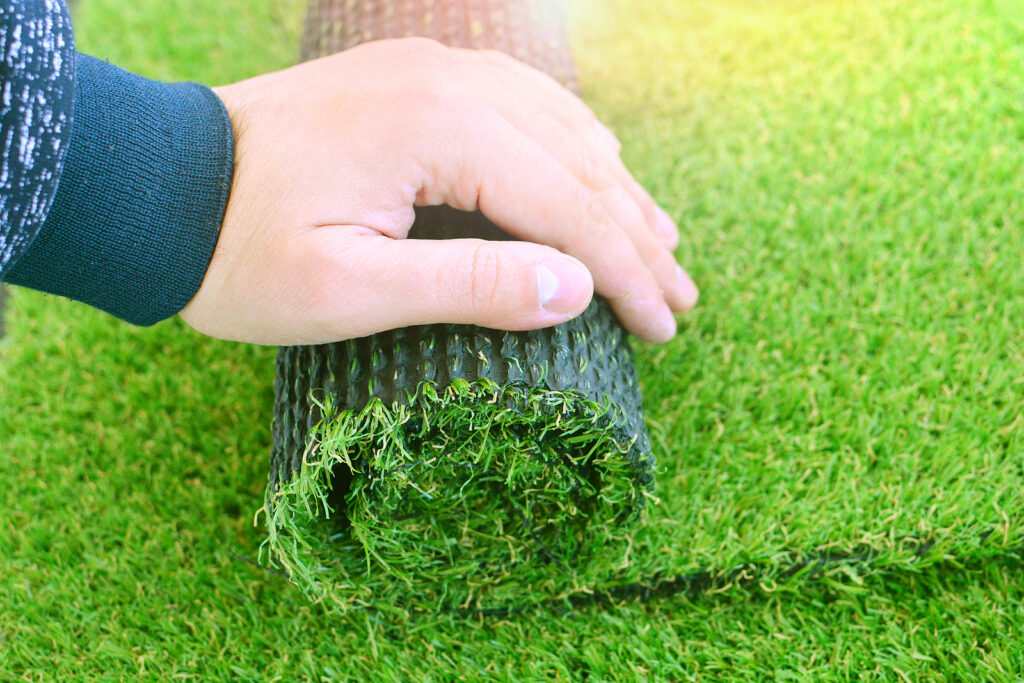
(702, 581)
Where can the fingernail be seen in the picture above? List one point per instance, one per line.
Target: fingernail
(689, 290)
(666, 226)
(562, 286)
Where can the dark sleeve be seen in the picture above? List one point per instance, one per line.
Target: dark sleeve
(140, 198)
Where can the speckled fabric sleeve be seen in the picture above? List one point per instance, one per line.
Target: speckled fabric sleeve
(114, 186)
(37, 50)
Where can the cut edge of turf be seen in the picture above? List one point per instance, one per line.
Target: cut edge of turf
(470, 492)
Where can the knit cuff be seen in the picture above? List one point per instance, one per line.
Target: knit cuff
(141, 198)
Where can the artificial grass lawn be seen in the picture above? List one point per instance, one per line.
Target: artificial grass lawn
(847, 176)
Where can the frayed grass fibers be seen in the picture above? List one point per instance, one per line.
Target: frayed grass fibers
(474, 495)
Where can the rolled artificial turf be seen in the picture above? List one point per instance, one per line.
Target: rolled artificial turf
(451, 465)
(457, 466)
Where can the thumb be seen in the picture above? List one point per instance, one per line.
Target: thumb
(390, 283)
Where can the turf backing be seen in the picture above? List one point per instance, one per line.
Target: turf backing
(847, 176)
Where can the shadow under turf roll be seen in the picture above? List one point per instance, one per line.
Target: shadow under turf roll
(450, 466)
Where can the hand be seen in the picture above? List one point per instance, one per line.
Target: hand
(332, 155)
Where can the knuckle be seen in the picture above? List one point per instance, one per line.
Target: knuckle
(616, 197)
(547, 125)
(664, 265)
(418, 46)
(502, 60)
(632, 289)
(433, 87)
(579, 154)
(593, 171)
(441, 114)
(628, 214)
(648, 207)
(591, 217)
(641, 196)
(428, 63)
(496, 56)
(484, 272)
(432, 95)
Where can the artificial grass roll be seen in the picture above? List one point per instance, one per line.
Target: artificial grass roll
(451, 466)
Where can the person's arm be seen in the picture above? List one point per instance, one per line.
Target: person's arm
(141, 183)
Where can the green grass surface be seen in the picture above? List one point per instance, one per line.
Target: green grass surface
(848, 179)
